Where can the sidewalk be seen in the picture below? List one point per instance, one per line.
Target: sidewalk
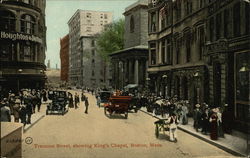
(236, 145)
(34, 117)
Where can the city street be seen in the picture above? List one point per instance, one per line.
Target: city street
(93, 135)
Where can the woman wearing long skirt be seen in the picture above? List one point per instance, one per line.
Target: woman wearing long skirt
(213, 125)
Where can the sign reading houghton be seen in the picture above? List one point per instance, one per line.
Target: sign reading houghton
(19, 36)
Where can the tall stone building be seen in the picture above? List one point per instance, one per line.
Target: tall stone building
(227, 54)
(64, 56)
(199, 51)
(85, 65)
(129, 65)
(22, 44)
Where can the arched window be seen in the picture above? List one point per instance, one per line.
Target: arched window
(132, 24)
(28, 24)
(7, 21)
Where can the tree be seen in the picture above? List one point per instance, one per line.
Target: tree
(111, 39)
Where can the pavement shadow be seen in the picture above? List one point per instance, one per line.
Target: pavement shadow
(163, 136)
(116, 116)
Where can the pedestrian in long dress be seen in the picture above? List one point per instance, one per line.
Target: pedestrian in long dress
(86, 105)
(219, 121)
(213, 125)
(16, 109)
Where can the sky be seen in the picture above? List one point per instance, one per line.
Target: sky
(58, 12)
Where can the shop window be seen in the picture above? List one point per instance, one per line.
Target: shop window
(6, 49)
(8, 21)
(27, 24)
(236, 19)
(132, 24)
(153, 53)
(27, 51)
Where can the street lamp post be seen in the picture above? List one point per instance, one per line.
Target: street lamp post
(164, 77)
(18, 82)
(147, 82)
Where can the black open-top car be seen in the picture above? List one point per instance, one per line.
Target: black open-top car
(59, 103)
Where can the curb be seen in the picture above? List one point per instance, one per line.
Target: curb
(26, 129)
(235, 153)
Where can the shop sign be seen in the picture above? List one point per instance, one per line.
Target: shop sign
(19, 36)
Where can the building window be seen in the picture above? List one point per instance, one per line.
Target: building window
(101, 23)
(105, 16)
(211, 28)
(188, 7)
(218, 25)
(153, 53)
(169, 51)
(93, 73)
(93, 43)
(132, 24)
(153, 22)
(88, 29)
(201, 41)
(163, 51)
(101, 16)
(236, 19)
(8, 21)
(178, 9)
(27, 51)
(28, 24)
(7, 48)
(162, 17)
(226, 22)
(201, 3)
(187, 37)
(88, 15)
(247, 15)
(93, 52)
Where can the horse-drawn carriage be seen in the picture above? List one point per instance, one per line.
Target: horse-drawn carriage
(118, 105)
(59, 103)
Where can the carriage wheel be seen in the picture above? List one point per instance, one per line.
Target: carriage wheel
(156, 130)
(105, 111)
(126, 115)
(136, 110)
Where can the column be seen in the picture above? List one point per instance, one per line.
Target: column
(130, 72)
(136, 75)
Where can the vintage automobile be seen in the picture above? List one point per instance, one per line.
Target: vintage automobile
(118, 105)
(59, 104)
(104, 96)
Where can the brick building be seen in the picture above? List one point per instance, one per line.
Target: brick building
(64, 56)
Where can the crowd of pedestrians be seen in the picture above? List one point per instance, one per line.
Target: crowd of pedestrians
(22, 105)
